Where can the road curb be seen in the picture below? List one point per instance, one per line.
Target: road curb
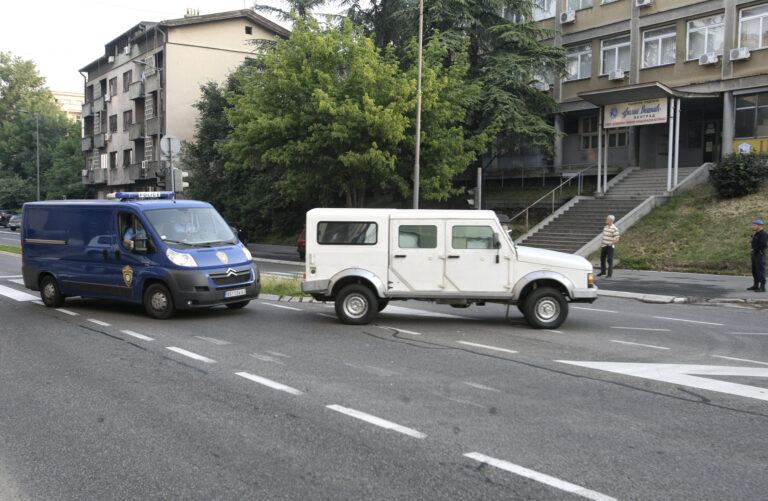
(660, 299)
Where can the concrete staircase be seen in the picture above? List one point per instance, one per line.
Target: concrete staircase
(577, 224)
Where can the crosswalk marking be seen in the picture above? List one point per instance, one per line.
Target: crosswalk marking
(17, 295)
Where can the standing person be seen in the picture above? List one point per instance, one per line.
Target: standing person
(610, 238)
(759, 243)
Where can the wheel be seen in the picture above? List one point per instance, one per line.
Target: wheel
(49, 292)
(356, 305)
(238, 305)
(158, 302)
(383, 303)
(545, 308)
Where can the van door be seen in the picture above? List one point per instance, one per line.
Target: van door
(416, 255)
(471, 258)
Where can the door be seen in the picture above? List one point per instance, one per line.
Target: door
(711, 141)
(416, 255)
(472, 263)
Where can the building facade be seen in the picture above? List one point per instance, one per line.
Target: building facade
(71, 103)
(144, 88)
(702, 62)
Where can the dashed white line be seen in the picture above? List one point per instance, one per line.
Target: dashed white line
(267, 358)
(99, 322)
(689, 321)
(325, 315)
(593, 309)
(749, 333)
(280, 306)
(212, 340)
(494, 348)
(640, 344)
(554, 331)
(278, 354)
(191, 355)
(11, 276)
(67, 312)
(641, 329)
(539, 477)
(480, 386)
(741, 360)
(413, 333)
(383, 423)
(269, 383)
(137, 335)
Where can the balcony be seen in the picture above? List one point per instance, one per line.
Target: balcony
(99, 140)
(98, 105)
(152, 83)
(152, 166)
(87, 143)
(135, 172)
(136, 90)
(87, 110)
(99, 176)
(136, 131)
(153, 127)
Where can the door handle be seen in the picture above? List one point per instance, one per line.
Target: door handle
(454, 257)
(400, 255)
(105, 254)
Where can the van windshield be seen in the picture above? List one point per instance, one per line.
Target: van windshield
(192, 226)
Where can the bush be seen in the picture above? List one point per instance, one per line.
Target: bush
(739, 174)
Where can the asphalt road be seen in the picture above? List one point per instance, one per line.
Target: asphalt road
(280, 401)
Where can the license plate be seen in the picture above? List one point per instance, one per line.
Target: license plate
(234, 293)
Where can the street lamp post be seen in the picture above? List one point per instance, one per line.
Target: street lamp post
(37, 147)
(418, 113)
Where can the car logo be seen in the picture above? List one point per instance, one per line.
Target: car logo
(222, 257)
(231, 272)
(127, 275)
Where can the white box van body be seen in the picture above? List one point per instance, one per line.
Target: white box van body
(363, 258)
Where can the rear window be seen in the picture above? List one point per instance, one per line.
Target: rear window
(347, 233)
(472, 237)
(417, 237)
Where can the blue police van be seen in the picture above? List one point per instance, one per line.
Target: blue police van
(147, 248)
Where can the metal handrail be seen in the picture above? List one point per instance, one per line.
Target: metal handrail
(579, 174)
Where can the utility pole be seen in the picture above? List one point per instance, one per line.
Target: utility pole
(418, 113)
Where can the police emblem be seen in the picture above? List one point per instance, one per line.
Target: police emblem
(222, 257)
(127, 275)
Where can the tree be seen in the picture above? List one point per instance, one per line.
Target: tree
(63, 179)
(15, 191)
(333, 117)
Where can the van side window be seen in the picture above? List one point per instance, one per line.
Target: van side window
(472, 237)
(417, 237)
(347, 233)
(129, 226)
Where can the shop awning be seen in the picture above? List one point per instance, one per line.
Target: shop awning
(639, 92)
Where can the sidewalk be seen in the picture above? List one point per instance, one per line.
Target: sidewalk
(671, 287)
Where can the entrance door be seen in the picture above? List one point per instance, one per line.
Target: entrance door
(711, 141)
(471, 258)
(416, 255)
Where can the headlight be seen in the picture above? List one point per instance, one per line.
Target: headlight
(247, 253)
(181, 258)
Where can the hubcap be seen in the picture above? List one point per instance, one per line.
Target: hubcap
(547, 309)
(159, 301)
(49, 291)
(355, 306)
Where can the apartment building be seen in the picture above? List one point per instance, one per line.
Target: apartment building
(642, 73)
(145, 85)
(71, 103)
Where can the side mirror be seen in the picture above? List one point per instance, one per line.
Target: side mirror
(496, 241)
(140, 244)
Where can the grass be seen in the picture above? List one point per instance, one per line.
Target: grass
(281, 286)
(696, 232)
(10, 248)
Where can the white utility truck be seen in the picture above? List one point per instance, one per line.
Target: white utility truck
(363, 258)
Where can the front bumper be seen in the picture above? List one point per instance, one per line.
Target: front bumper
(193, 289)
(584, 295)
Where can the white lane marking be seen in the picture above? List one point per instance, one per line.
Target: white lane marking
(191, 355)
(280, 306)
(641, 329)
(399, 330)
(375, 370)
(99, 322)
(67, 312)
(480, 386)
(278, 354)
(640, 344)
(690, 321)
(466, 402)
(11, 276)
(38, 302)
(400, 310)
(325, 315)
(486, 347)
(17, 281)
(137, 335)
(17, 295)
(554, 331)
(269, 383)
(539, 477)
(383, 423)
(212, 340)
(593, 309)
(683, 374)
(749, 333)
(267, 358)
(741, 359)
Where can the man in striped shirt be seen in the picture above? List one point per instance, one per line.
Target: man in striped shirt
(610, 238)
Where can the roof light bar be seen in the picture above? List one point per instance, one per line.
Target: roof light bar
(140, 195)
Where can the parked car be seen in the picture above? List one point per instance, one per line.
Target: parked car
(5, 215)
(301, 244)
(15, 222)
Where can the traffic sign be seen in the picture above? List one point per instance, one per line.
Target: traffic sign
(170, 146)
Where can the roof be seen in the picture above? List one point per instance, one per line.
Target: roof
(144, 204)
(356, 214)
(639, 92)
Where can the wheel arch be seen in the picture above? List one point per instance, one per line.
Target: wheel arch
(537, 279)
(357, 276)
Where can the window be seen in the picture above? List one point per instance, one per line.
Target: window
(127, 77)
(249, 30)
(543, 9)
(752, 115)
(472, 237)
(112, 159)
(127, 120)
(705, 35)
(347, 233)
(753, 27)
(417, 237)
(617, 138)
(588, 132)
(127, 157)
(113, 123)
(579, 4)
(615, 55)
(609, 1)
(113, 86)
(659, 46)
(579, 62)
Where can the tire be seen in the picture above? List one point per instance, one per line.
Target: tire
(238, 305)
(158, 302)
(50, 293)
(356, 305)
(383, 303)
(545, 308)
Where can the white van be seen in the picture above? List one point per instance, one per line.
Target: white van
(363, 258)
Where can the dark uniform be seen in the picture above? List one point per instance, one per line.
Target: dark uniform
(759, 244)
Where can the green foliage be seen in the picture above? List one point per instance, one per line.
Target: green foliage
(63, 179)
(738, 175)
(15, 191)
